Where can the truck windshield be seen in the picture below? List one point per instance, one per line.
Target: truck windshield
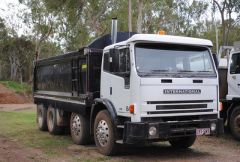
(173, 59)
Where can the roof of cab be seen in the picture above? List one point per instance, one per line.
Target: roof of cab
(156, 38)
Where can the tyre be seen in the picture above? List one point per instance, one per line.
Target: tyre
(235, 123)
(182, 142)
(52, 122)
(104, 134)
(42, 118)
(80, 129)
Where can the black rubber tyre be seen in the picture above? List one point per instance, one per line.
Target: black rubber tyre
(42, 118)
(104, 141)
(80, 129)
(235, 123)
(182, 142)
(52, 122)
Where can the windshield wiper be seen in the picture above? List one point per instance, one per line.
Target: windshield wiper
(203, 71)
(160, 70)
(153, 72)
(185, 71)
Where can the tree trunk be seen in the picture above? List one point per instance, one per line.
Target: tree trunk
(139, 20)
(221, 10)
(39, 42)
(1, 71)
(130, 15)
(13, 67)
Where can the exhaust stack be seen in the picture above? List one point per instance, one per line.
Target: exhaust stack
(114, 30)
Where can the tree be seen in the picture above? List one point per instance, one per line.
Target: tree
(227, 7)
(42, 20)
(130, 15)
(19, 53)
(140, 19)
(3, 37)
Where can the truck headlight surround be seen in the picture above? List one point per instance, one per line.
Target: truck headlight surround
(152, 131)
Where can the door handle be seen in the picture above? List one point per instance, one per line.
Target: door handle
(234, 77)
(110, 90)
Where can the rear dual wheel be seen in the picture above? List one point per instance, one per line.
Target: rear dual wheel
(80, 129)
(42, 117)
(53, 128)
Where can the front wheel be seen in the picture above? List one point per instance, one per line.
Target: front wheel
(104, 133)
(182, 142)
(235, 123)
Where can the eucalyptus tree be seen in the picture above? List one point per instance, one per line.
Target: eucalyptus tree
(226, 9)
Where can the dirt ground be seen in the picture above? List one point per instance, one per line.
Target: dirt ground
(8, 96)
(11, 151)
(209, 149)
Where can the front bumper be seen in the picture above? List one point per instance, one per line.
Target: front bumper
(135, 132)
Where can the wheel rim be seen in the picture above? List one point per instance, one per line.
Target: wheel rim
(102, 133)
(76, 125)
(40, 117)
(237, 123)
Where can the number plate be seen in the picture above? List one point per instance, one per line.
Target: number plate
(202, 131)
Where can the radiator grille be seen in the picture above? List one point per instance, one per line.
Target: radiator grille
(189, 106)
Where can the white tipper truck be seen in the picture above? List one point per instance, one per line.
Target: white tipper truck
(146, 88)
(229, 81)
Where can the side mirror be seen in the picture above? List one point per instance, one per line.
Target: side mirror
(127, 74)
(114, 60)
(215, 60)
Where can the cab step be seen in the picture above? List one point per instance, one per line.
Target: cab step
(120, 126)
(119, 141)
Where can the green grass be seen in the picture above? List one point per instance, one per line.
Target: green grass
(17, 87)
(21, 126)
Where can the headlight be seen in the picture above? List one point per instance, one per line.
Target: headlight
(213, 127)
(152, 131)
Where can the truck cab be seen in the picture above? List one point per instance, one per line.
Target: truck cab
(229, 85)
(162, 88)
(234, 76)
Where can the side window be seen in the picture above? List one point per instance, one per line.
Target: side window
(235, 64)
(124, 66)
(124, 60)
(119, 65)
(106, 62)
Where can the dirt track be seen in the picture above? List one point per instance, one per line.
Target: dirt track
(209, 149)
(12, 151)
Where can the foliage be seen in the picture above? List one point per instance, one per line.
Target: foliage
(67, 25)
(17, 87)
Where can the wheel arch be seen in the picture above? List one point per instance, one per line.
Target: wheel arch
(102, 104)
(232, 107)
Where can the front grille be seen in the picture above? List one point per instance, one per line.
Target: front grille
(179, 111)
(176, 102)
(160, 107)
(175, 107)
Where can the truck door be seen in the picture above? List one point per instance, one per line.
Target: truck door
(234, 76)
(115, 79)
